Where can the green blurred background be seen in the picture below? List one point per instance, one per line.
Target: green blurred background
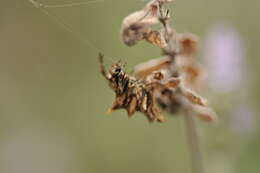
(53, 98)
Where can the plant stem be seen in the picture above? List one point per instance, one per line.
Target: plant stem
(193, 144)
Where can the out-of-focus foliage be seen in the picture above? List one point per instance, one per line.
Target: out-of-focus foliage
(53, 98)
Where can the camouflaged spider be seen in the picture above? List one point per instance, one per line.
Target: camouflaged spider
(135, 94)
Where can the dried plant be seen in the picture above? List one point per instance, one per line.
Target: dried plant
(162, 84)
(165, 83)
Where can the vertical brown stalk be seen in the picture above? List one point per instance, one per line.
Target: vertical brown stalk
(193, 144)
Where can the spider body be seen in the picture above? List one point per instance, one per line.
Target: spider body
(132, 94)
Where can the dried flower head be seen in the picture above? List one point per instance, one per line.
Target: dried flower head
(165, 83)
(137, 26)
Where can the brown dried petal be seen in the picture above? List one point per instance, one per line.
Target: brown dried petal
(188, 44)
(145, 69)
(194, 98)
(205, 113)
(135, 25)
(154, 37)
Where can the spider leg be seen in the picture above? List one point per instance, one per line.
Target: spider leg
(102, 67)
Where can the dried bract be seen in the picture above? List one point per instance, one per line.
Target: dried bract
(137, 26)
(188, 44)
(143, 70)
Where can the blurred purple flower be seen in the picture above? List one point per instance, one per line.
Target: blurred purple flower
(223, 54)
(224, 59)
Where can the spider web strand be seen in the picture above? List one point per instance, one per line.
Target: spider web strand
(66, 26)
(72, 4)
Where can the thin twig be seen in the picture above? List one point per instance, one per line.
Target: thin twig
(193, 144)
